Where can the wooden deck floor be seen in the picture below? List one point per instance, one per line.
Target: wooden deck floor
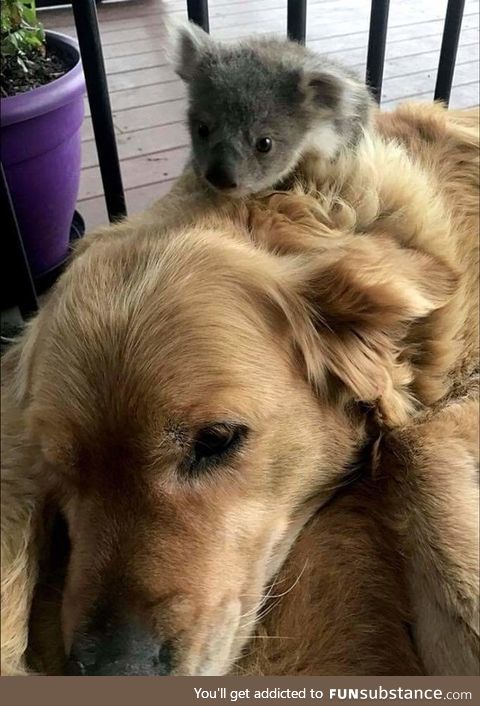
(148, 100)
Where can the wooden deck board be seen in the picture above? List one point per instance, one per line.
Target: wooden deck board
(148, 101)
(139, 171)
(142, 142)
(156, 57)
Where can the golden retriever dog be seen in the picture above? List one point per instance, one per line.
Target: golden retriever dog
(375, 574)
(199, 393)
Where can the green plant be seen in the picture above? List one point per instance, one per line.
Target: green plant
(21, 34)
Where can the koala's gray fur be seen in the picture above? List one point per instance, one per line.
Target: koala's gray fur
(259, 88)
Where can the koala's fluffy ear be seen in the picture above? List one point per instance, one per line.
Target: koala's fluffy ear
(331, 89)
(325, 89)
(187, 43)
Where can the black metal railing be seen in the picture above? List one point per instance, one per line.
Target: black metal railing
(197, 11)
(377, 41)
(297, 20)
(86, 21)
(448, 52)
(88, 33)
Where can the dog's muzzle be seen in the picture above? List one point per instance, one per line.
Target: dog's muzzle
(122, 650)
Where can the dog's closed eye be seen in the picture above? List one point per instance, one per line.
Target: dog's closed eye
(214, 443)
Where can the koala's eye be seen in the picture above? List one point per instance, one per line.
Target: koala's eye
(203, 131)
(264, 144)
(213, 442)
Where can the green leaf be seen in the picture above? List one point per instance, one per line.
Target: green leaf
(21, 31)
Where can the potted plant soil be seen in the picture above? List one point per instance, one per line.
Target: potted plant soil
(42, 88)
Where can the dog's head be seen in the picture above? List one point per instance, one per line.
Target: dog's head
(193, 398)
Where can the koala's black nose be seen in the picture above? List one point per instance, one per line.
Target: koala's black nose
(221, 177)
(125, 650)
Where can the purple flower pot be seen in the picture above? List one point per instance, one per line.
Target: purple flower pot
(41, 146)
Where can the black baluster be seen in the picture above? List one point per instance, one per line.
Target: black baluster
(297, 20)
(86, 21)
(448, 52)
(198, 12)
(377, 40)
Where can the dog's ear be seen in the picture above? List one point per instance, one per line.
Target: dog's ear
(353, 305)
(187, 44)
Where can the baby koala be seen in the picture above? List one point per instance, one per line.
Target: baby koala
(258, 107)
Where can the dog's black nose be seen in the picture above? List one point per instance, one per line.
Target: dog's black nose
(124, 650)
(220, 177)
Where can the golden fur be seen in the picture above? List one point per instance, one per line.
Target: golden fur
(320, 318)
(374, 568)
